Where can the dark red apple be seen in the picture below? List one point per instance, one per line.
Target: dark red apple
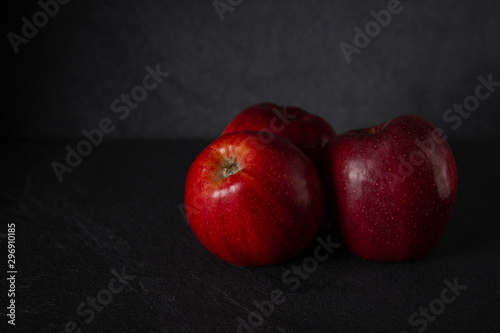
(253, 202)
(391, 188)
(309, 132)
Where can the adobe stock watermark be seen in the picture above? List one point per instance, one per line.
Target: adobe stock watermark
(120, 106)
(455, 115)
(292, 278)
(88, 308)
(372, 29)
(29, 29)
(276, 124)
(420, 319)
(471, 103)
(222, 6)
(408, 163)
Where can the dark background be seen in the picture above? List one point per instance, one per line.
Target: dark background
(119, 208)
(287, 52)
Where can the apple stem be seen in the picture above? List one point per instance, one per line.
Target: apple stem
(230, 168)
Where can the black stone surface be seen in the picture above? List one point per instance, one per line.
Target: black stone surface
(118, 211)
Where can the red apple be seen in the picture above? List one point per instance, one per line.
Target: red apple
(309, 132)
(253, 202)
(391, 188)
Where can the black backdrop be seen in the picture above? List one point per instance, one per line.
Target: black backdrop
(119, 208)
(426, 59)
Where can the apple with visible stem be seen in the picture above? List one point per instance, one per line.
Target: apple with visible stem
(391, 188)
(253, 202)
(307, 131)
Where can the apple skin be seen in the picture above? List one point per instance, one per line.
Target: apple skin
(266, 212)
(391, 188)
(309, 132)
